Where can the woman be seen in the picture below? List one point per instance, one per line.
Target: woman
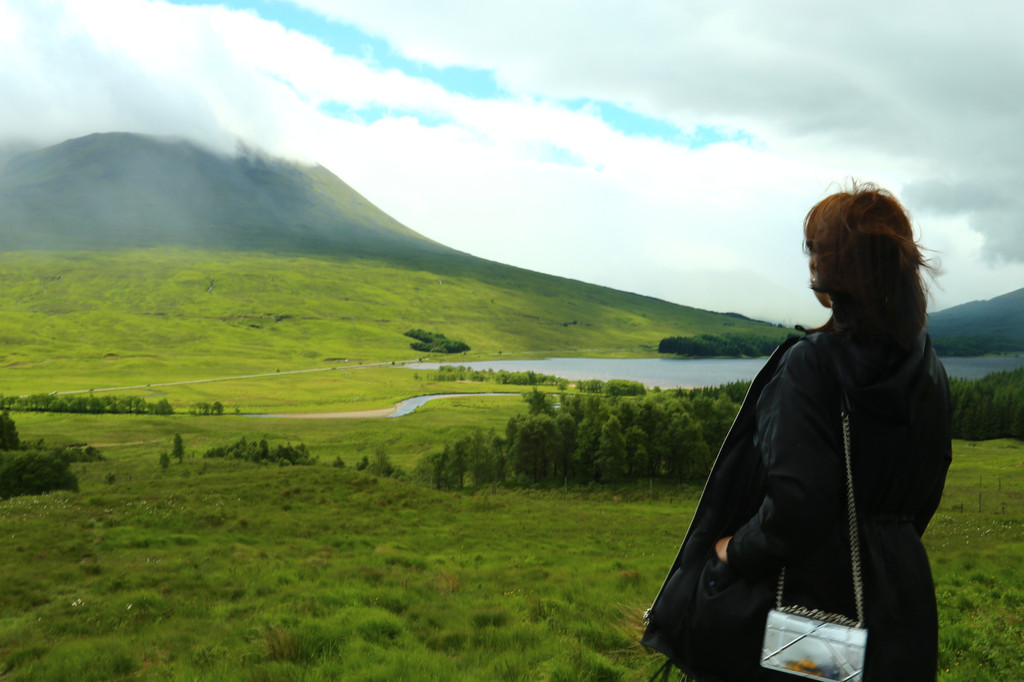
(776, 495)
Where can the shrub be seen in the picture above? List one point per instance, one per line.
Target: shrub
(621, 387)
(433, 342)
(381, 464)
(261, 452)
(74, 453)
(8, 432)
(34, 472)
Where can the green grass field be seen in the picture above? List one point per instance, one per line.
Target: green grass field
(342, 389)
(121, 318)
(215, 570)
(223, 570)
(976, 543)
(129, 440)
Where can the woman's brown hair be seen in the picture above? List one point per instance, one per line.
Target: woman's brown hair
(863, 255)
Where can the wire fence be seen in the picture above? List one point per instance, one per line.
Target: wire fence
(985, 494)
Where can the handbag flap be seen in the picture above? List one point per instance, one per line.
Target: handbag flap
(812, 648)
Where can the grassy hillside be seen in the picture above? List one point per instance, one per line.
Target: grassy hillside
(115, 318)
(1002, 316)
(214, 570)
(134, 260)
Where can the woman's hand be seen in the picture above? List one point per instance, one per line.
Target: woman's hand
(721, 549)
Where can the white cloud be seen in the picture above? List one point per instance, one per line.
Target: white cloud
(923, 89)
(914, 98)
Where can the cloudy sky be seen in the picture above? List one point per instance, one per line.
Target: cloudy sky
(665, 147)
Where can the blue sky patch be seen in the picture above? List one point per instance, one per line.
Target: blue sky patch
(348, 40)
(375, 113)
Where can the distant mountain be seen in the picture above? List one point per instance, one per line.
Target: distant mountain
(995, 325)
(120, 190)
(159, 258)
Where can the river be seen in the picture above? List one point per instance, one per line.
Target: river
(676, 373)
(409, 406)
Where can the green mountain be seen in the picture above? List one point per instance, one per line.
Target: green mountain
(995, 325)
(146, 258)
(120, 190)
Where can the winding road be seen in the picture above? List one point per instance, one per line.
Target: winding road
(234, 378)
(398, 409)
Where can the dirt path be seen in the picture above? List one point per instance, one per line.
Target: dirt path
(234, 378)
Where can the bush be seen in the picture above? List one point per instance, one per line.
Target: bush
(381, 464)
(8, 432)
(433, 342)
(77, 453)
(34, 472)
(621, 387)
(261, 452)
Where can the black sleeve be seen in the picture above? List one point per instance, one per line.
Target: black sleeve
(925, 513)
(800, 440)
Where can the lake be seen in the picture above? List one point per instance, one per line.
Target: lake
(674, 373)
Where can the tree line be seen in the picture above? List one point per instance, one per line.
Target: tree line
(974, 346)
(463, 373)
(612, 387)
(726, 345)
(82, 404)
(989, 407)
(671, 434)
(106, 404)
(661, 434)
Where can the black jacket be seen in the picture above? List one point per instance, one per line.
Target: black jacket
(778, 487)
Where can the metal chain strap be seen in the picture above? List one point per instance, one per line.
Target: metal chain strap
(858, 584)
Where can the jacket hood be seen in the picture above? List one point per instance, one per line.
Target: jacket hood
(883, 380)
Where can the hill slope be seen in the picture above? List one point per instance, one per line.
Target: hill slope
(163, 314)
(1001, 316)
(138, 258)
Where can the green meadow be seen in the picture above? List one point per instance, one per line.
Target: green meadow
(344, 388)
(129, 439)
(224, 570)
(75, 321)
(212, 569)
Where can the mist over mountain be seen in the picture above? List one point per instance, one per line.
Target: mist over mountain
(119, 190)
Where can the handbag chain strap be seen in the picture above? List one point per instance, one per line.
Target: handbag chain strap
(858, 584)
